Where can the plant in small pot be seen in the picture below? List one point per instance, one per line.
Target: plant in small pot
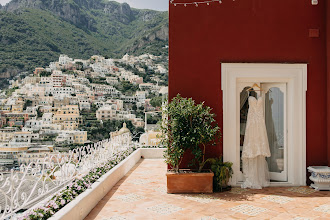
(188, 127)
(223, 171)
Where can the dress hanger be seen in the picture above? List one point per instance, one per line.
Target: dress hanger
(255, 85)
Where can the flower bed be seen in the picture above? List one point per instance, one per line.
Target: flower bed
(75, 188)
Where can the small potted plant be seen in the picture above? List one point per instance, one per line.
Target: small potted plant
(223, 171)
(188, 126)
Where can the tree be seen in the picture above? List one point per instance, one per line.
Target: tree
(27, 103)
(39, 113)
(138, 132)
(94, 107)
(188, 126)
(9, 92)
(126, 87)
(45, 74)
(156, 101)
(80, 66)
(134, 107)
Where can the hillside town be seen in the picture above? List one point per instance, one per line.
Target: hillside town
(73, 102)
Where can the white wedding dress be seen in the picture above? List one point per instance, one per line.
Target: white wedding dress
(255, 147)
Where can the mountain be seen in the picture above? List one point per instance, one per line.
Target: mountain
(35, 32)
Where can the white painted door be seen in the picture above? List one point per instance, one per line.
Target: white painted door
(275, 101)
(242, 112)
(275, 109)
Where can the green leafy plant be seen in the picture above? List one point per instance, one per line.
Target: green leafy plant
(223, 171)
(188, 126)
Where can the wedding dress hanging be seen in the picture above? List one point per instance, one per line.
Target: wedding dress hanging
(255, 147)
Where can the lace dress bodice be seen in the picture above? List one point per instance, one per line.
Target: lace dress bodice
(256, 113)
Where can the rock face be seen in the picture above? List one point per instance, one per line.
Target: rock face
(64, 9)
(76, 11)
(147, 15)
(121, 12)
(161, 34)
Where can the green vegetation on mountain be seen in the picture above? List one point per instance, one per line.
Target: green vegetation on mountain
(156, 101)
(126, 87)
(35, 32)
(35, 38)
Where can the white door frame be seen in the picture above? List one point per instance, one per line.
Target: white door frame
(295, 75)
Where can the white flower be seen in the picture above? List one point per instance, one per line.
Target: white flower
(62, 202)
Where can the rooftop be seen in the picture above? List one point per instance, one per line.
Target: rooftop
(141, 194)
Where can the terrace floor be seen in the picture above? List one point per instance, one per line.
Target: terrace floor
(141, 194)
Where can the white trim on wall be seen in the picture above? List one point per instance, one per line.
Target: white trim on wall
(295, 75)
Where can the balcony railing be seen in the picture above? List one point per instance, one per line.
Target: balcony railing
(30, 184)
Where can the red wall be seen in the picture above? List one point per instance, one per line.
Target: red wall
(328, 71)
(259, 31)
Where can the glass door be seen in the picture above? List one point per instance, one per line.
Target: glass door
(243, 105)
(275, 118)
(274, 95)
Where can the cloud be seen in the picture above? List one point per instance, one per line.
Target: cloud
(4, 2)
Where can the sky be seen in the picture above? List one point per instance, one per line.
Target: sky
(160, 5)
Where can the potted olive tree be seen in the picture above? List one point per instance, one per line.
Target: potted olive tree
(188, 126)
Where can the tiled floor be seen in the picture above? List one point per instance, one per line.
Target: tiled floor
(141, 194)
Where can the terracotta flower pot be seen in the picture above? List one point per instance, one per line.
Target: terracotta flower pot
(189, 181)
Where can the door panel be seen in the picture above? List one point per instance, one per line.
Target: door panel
(243, 111)
(274, 95)
(275, 119)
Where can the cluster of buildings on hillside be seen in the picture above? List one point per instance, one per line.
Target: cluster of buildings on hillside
(45, 107)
